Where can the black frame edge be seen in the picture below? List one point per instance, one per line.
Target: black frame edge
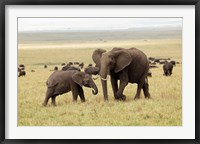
(101, 2)
(197, 67)
(2, 73)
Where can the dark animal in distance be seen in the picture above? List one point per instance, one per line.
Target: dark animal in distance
(173, 62)
(55, 68)
(22, 68)
(92, 70)
(81, 65)
(156, 60)
(22, 65)
(167, 68)
(89, 65)
(32, 70)
(76, 63)
(62, 64)
(151, 58)
(45, 66)
(61, 82)
(70, 63)
(21, 73)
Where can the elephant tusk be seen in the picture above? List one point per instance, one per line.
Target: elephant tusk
(104, 79)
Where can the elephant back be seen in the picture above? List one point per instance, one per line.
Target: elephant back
(57, 77)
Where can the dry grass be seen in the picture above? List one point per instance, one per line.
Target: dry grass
(164, 109)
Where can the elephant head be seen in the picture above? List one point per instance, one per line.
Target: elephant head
(83, 79)
(96, 56)
(113, 61)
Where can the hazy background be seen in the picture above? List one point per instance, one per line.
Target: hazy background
(68, 31)
(85, 24)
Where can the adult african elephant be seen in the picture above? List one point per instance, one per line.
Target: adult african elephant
(61, 82)
(127, 65)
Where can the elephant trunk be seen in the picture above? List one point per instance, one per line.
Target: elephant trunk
(95, 89)
(103, 75)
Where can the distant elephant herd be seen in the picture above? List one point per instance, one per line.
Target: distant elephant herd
(126, 65)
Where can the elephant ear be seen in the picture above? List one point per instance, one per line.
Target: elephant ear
(78, 78)
(123, 59)
(96, 56)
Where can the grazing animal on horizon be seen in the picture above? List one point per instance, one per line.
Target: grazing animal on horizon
(89, 65)
(173, 62)
(76, 63)
(81, 65)
(167, 68)
(70, 63)
(92, 70)
(21, 65)
(21, 73)
(62, 64)
(55, 68)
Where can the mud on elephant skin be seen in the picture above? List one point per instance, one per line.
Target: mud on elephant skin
(61, 82)
(126, 65)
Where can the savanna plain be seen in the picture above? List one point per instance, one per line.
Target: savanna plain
(37, 49)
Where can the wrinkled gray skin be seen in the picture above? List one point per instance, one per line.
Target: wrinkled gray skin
(127, 66)
(61, 82)
(167, 68)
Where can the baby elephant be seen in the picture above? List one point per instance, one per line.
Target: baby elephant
(167, 68)
(61, 82)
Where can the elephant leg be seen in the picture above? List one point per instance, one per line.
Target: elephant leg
(75, 92)
(114, 85)
(146, 89)
(123, 83)
(53, 98)
(139, 87)
(49, 93)
(170, 71)
(81, 94)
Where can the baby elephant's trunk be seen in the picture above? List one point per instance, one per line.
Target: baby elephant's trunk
(95, 89)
